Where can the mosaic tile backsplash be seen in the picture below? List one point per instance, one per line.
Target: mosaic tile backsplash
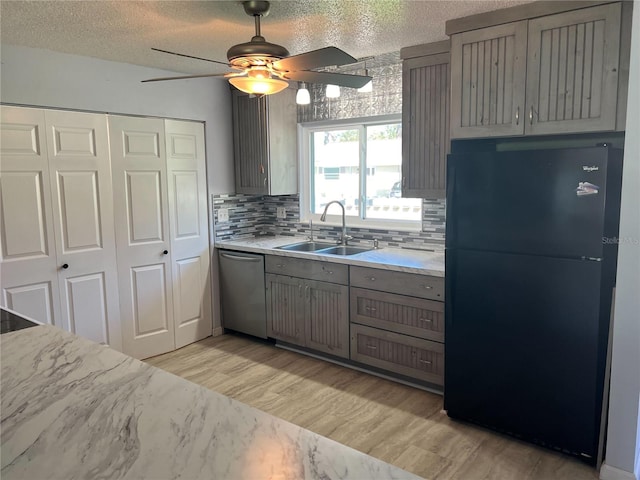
(251, 216)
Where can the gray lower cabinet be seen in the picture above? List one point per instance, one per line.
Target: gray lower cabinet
(306, 311)
(397, 322)
(399, 313)
(409, 356)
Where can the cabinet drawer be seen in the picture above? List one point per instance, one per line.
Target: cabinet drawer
(409, 315)
(398, 353)
(398, 282)
(311, 269)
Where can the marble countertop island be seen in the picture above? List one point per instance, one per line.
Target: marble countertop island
(399, 259)
(74, 409)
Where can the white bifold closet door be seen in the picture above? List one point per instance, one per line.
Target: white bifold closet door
(57, 236)
(189, 232)
(161, 233)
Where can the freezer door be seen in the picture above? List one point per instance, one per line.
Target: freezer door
(524, 350)
(545, 202)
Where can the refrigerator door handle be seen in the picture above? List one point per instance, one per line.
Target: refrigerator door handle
(518, 115)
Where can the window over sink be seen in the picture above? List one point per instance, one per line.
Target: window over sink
(359, 163)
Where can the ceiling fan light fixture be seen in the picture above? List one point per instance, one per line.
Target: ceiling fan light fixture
(259, 86)
(303, 97)
(333, 91)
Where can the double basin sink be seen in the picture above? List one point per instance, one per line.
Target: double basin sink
(324, 248)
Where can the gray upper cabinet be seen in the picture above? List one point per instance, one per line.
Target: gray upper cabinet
(425, 119)
(551, 74)
(264, 138)
(572, 70)
(488, 70)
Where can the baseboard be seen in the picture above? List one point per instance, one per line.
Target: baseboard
(292, 348)
(217, 331)
(607, 472)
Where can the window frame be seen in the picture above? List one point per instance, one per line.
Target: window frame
(334, 217)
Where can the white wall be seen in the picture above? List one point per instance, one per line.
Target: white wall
(43, 78)
(623, 440)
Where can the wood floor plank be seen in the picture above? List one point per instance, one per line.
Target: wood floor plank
(396, 423)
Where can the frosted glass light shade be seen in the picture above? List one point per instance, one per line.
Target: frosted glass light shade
(333, 91)
(258, 86)
(303, 97)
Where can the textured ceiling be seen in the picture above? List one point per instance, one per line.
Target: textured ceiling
(125, 31)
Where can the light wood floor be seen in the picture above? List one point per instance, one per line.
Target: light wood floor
(401, 425)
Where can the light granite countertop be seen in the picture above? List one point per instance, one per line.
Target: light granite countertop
(74, 409)
(398, 259)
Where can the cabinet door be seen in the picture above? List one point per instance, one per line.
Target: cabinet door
(425, 119)
(327, 317)
(250, 143)
(488, 68)
(29, 270)
(189, 233)
(80, 176)
(572, 71)
(142, 235)
(285, 308)
(282, 167)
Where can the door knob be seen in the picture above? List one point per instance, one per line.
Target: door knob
(65, 266)
(165, 252)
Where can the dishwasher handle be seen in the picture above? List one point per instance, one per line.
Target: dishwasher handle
(244, 259)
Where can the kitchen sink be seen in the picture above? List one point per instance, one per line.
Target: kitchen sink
(306, 246)
(342, 250)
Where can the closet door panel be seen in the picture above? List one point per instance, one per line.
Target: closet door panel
(140, 205)
(28, 274)
(80, 178)
(188, 230)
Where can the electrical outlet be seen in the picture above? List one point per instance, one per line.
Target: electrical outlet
(223, 215)
(281, 212)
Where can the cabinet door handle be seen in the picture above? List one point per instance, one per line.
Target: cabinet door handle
(372, 347)
(531, 115)
(371, 309)
(426, 362)
(373, 279)
(518, 115)
(329, 272)
(427, 287)
(300, 290)
(265, 181)
(306, 290)
(280, 265)
(65, 265)
(165, 252)
(427, 320)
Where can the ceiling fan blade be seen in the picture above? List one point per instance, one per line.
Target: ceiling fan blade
(340, 79)
(189, 56)
(162, 79)
(323, 57)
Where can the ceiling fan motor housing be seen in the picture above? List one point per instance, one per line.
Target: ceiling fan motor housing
(257, 47)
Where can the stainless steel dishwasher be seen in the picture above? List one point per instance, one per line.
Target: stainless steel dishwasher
(243, 292)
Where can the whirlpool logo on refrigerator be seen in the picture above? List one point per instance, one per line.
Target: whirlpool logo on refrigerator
(586, 188)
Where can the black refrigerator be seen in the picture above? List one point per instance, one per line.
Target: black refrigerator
(531, 253)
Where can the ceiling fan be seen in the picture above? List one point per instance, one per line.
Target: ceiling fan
(263, 68)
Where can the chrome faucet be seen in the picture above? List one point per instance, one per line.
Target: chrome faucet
(323, 218)
(310, 237)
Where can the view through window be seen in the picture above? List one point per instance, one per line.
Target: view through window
(361, 166)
